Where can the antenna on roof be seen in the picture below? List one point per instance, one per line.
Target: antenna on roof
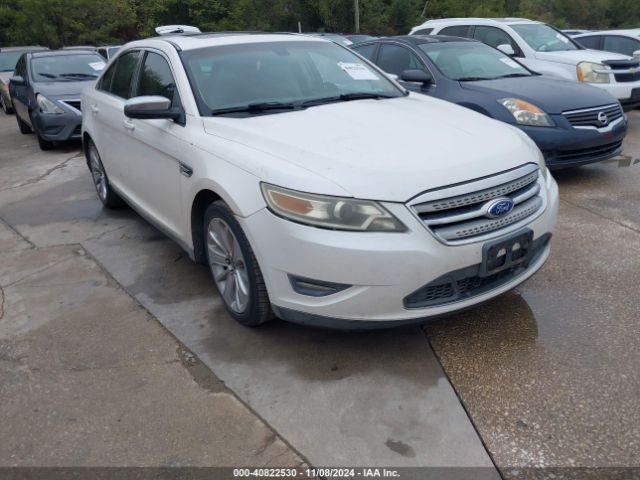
(176, 29)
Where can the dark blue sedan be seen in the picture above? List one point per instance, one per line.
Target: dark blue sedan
(572, 123)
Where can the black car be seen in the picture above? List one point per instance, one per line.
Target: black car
(46, 92)
(572, 123)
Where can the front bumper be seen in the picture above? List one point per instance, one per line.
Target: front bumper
(627, 93)
(382, 269)
(566, 146)
(58, 128)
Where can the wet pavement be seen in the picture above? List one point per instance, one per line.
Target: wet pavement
(547, 374)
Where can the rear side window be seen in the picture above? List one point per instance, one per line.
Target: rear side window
(590, 42)
(424, 31)
(156, 78)
(21, 69)
(125, 68)
(618, 44)
(456, 31)
(367, 51)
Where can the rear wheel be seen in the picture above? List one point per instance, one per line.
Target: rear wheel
(106, 193)
(234, 267)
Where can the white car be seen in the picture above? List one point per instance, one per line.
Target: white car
(311, 184)
(625, 42)
(547, 50)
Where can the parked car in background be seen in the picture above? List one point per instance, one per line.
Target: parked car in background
(626, 42)
(334, 37)
(572, 123)
(81, 47)
(313, 185)
(8, 58)
(357, 37)
(108, 51)
(574, 32)
(546, 50)
(46, 92)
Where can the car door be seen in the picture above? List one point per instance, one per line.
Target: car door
(620, 44)
(19, 93)
(110, 132)
(395, 58)
(155, 146)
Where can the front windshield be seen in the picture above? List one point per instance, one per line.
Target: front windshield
(466, 61)
(543, 38)
(8, 60)
(292, 72)
(67, 68)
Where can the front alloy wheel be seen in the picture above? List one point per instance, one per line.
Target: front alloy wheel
(234, 267)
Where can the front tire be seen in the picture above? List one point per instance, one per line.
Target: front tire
(44, 145)
(24, 128)
(234, 267)
(5, 108)
(106, 193)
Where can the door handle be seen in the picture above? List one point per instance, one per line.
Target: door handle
(95, 110)
(129, 126)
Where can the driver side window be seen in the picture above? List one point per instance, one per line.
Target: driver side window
(156, 78)
(396, 59)
(494, 37)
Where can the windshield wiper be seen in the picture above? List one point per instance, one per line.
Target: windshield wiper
(47, 75)
(82, 75)
(345, 97)
(473, 79)
(257, 107)
(514, 75)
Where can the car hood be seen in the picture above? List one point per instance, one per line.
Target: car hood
(573, 57)
(389, 149)
(61, 89)
(553, 95)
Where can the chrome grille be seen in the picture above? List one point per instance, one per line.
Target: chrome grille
(588, 117)
(463, 216)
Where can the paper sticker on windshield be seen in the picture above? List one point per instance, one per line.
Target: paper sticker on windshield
(357, 71)
(562, 38)
(97, 66)
(509, 62)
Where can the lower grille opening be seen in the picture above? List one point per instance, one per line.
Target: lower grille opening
(586, 153)
(467, 283)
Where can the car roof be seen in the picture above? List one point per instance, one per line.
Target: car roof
(422, 39)
(202, 40)
(25, 49)
(476, 21)
(630, 32)
(58, 53)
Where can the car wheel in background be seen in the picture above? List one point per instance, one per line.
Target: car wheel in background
(44, 144)
(234, 267)
(5, 108)
(24, 128)
(106, 194)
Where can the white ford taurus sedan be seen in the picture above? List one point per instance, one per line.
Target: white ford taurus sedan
(313, 186)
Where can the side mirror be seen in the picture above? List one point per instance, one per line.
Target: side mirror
(506, 49)
(17, 80)
(416, 76)
(636, 54)
(151, 107)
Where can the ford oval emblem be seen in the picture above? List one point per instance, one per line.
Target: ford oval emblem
(498, 207)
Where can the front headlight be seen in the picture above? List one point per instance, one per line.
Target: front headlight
(47, 106)
(587, 73)
(335, 213)
(526, 113)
